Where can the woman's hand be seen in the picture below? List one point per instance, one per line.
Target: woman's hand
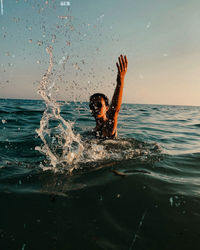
(122, 66)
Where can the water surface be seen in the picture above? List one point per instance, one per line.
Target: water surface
(155, 204)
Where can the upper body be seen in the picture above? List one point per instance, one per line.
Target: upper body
(106, 115)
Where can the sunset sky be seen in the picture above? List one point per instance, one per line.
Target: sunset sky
(161, 39)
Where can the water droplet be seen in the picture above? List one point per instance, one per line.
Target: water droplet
(53, 37)
(23, 246)
(39, 43)
(62, 17)
(171, 201)
(68, 43)
(148, 25)
(65, 3)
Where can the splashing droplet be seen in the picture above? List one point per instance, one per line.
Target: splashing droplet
(148, 25)
(39, 43)
(65, 3)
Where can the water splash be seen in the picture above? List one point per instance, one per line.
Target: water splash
(98, 152)
(60, 145)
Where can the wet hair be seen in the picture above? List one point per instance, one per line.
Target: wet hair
(97, 95)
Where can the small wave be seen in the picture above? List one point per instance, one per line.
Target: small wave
(5, 112)
(22, 112)
(197, 125)
(143, 110)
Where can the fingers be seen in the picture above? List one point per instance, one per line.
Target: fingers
(119, 70)
(123, 63)
(120, 64)
(126, 61)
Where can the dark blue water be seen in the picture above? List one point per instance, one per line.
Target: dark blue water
(141, 193)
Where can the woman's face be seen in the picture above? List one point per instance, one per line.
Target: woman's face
(98, 107)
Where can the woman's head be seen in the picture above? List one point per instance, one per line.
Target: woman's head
(99, 104)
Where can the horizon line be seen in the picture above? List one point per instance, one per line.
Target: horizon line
(28, 99)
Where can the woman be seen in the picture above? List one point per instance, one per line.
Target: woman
(106, 115)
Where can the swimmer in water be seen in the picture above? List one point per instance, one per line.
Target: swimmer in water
(106, 115)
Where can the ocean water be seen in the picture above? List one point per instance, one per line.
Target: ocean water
(60, 188)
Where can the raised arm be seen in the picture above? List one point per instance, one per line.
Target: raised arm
(117, 96)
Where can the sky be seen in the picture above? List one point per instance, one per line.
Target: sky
(161, 39)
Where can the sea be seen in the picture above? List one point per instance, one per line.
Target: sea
(63, 189)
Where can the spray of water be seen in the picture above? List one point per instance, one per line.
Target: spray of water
(60, 145)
